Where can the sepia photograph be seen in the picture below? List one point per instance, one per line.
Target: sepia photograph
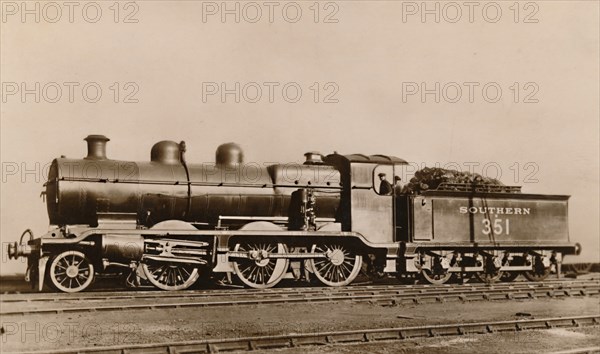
(300, 176)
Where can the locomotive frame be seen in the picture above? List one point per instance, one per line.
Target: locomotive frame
(324, 223)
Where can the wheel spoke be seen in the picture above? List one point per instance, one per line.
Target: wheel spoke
(187, 274)
(163, 271)
(173, 276)
(246, 269)
(169, 276)
(253, 271)
(262, 275)
(181, 277)
(175, 272)
(327, 268)
(345, 268)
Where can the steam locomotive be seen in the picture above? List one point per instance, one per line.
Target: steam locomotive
(168, 223)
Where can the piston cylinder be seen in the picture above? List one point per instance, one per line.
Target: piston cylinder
(122, 247)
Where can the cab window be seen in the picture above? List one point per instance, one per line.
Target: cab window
(383, 179)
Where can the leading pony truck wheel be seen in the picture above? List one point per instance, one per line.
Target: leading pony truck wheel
(71, 271)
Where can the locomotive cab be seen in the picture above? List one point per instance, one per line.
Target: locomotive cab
(371, 194)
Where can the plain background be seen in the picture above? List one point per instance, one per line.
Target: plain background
(368, 54)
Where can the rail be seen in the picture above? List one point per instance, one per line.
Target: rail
(341, 337)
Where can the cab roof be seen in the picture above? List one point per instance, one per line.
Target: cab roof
(376, 159)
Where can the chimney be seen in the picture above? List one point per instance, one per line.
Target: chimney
(96, 147)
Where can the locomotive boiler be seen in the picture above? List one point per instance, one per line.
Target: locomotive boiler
(90, 190)
(166, 221)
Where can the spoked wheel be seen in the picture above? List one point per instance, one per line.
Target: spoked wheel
(170, 276)
(71, 271)
(259, 271)
(509, 276)
(533, 275)
(538, 273)
(436, 278)
(490, 273)
(340, 266)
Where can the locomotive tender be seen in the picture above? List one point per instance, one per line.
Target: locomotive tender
(167, 222)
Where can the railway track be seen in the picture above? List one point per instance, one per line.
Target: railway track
(149, 291)
(155, 294)
(381, 295)
(343, 337)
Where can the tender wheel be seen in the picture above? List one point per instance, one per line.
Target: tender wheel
(170, 276)
(435, 278)
(339, 268)
(71, 271)
(259, 271)
(490, 273)
(539, 271)
(537, 276)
